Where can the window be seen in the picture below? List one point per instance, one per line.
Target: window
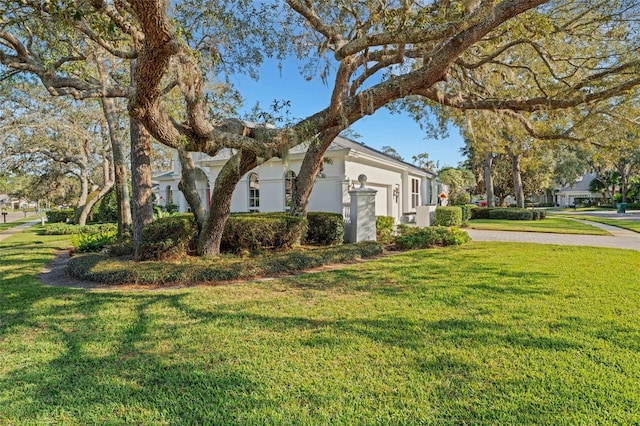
(254, 193)
(289, 177)
(415, 193)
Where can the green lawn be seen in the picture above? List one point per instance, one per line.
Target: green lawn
(620, 223)
(487, 333)
(9, 225)
(555, 224)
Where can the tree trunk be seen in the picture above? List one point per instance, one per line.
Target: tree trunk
(188, 187)
(141, 181)
(488, 179)
(311, 165)
(517, 179)
(230, 175)
(119, 167)
(84, 186)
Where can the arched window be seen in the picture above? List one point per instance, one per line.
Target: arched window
(254, 193)
(289, 177)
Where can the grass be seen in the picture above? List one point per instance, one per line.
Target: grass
(487, 333)
(12, 224)
(554, 224)
(620, 223)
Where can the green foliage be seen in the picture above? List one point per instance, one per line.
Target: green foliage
(325, 228)
(448, 216)
(416, 238)
(85, 243)
(61, 216)
(481, 212)
(108, 270)
(539, 214)
(384, 228)
(160, 212)
(254, 232)
(70, 229)
(459, 199)
(106, 209)
(511, 214)
(169, 237)
(466, 211)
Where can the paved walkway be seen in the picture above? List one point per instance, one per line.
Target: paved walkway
(619, 238)
(17, 229)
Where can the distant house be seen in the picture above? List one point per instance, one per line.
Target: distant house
(566, 197)
(12, 203)
(401, 186)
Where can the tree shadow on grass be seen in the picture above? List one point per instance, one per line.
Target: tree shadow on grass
(79, 366)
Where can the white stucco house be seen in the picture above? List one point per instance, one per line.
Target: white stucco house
(400, 186)
(566, 197)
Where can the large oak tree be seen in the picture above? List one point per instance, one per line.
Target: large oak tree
(522, 56)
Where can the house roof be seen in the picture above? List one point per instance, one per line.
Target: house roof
(338, 144)
(581, 185)
(345, 143)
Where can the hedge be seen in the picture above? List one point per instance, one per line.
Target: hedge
(169, 237)
(417, 238)
(254, 232)
(61, 216)
(466, 211)
(448, 216)
(481, 212)
(70, 229)
(325, 228)
(511, 214)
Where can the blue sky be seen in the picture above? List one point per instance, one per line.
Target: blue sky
(377, 130)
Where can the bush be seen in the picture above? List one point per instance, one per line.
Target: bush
(99, 268)
(61, 216)
(86, 243)
(255, 232)
(106, 209)
(384, 228)
(69, 229)
(169, 237)
(481, 212)
(449, 216)
(511, 214)
(325, 228)
(430, 237)
(466, 211)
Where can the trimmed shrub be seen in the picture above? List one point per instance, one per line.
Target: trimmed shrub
(481, 212)
(448, 216)
(543, 214)
(466, 211)
(325, 228)
(69, 229)
(384, 228)
(432, 237)
(255, 232)
(61, 216)
(511, 214)
(169, 237)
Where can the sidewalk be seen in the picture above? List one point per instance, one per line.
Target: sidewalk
(619, 238)
(15, 216)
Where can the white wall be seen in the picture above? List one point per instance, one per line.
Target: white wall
(382, 180)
